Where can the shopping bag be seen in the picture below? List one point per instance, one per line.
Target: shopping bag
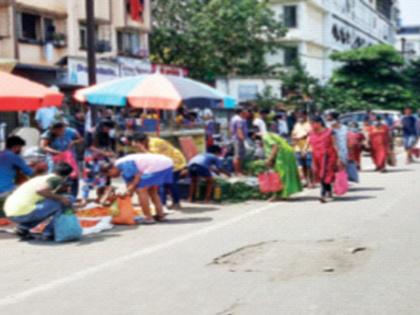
(341, 184)
(416, 152)
(126, 212)
(68, 157)
(67, 228)
(352, 172)
(270, 182)
(392, 159)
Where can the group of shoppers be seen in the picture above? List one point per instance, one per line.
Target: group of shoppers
(304, 151)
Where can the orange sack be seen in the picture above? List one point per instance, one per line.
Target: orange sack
(126, 213)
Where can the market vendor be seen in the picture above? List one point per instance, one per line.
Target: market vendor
(11, 165)
(37, 200)
(156, 145)
(59, 139)
(202, 166)
(143, 174)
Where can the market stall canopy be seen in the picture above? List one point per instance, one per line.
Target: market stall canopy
(20, 94)
(154, 91)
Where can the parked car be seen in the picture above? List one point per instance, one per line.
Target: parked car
(360, 116)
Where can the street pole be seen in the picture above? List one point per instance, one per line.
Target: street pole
(91, 41)
(91, 51)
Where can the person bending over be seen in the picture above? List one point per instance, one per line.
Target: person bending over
(202, 166)
(143, 174)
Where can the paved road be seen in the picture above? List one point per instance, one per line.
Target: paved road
(360, 255)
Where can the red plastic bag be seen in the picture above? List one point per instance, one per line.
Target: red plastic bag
(416, 152)
(126, 214)
(68, 157)
(341, 184)
(270, 182)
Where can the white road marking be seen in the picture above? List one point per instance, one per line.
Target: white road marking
(18, 297)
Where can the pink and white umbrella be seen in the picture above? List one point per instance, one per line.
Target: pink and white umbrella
(155, 91)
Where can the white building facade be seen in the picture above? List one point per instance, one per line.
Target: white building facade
(317, 28)
(409, 41)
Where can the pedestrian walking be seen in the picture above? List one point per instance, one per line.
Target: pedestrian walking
(239, 132)
(410, 129)
(356, 140)
(379, 143)
(300, 140)
(325, 157)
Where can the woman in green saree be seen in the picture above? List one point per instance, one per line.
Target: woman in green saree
(281, 157)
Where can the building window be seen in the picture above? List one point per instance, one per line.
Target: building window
(290, 16)
(290, 56)
(30, 27)
(129, 43)
(83, 36)
(36, 29)
(384, 7)
(49, 29)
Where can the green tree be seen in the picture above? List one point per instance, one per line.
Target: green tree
(369, 78)
(215, 37)
(412, 74)
(299, 87)
(267, 99)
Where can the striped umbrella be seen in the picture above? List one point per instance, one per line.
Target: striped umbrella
(154, 91)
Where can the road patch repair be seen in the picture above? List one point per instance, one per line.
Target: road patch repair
(287, 260)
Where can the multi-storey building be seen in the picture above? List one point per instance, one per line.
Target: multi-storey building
(316, 28)
(48, 39)
(409, 41)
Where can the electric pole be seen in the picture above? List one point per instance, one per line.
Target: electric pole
(91, 41)
(91, 52)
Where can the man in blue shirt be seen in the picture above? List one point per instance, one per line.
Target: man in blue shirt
(410, 130)
(10, 164)
(203, 165)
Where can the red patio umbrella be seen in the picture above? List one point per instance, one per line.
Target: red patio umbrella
(17, 93)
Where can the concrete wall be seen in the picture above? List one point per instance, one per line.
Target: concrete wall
(6, 33)
(59, 6)
(36, 54)
(314, 26)
(313, 57)
(237, 86)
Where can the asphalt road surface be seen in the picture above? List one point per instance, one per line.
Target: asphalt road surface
(358, 255)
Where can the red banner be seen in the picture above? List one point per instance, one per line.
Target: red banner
(135, 10)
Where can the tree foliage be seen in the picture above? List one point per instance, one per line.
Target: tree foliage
(267, 99)
(215, 37)
(412, 74)
(369, 78)
(299, 87)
